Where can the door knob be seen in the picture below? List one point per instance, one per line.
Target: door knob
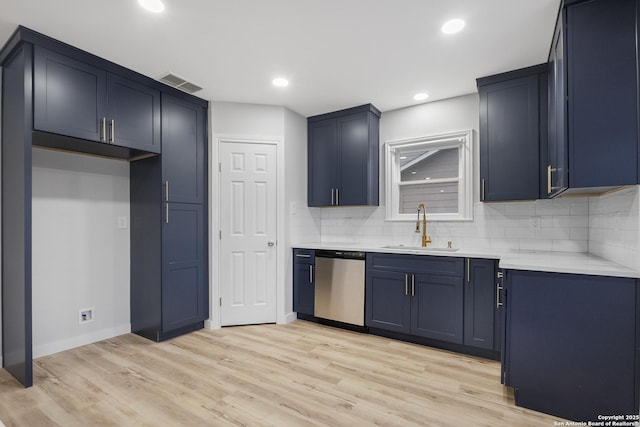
(271, 243)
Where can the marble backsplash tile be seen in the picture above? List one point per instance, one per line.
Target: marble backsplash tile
(607, 226)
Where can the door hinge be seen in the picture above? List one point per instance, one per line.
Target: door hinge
(220, 301)
(220, 234)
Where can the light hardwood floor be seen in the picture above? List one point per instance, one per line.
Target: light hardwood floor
(300, 374)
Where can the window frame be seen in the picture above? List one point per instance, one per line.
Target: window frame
(461, 139)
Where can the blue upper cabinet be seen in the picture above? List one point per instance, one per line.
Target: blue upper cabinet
(184, 150)
(323, 165)
(596, 97)
(70, 97)
(343, 158)
(134, 114)
(512, 132)
(557, 168)
(75, 99)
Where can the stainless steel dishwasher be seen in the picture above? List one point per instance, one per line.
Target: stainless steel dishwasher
(339, 290)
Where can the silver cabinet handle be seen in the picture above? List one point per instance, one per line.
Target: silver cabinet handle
(311, 274)
(468, 270)
(413, 285)
(113, 131)
(337, 197)
(406, 284)
(498, 290)
(482, 196)
(166, 191)
(271, 243)
(303, 256)
(332, 196)
(103, 125)
(166, 213)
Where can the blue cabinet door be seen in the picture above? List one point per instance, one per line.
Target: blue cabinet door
(510, 139)
(134, 114)
(388, 300)
(572, 343)
(303, 281)
(183, 150)
(557, 176)
(602, 90)
(184, 278)
(437, 307)
(70, 97)
(323, 158)
(480, 304)
(343, 158)
(354, 160)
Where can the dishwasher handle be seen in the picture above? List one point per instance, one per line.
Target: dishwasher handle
(340, 254)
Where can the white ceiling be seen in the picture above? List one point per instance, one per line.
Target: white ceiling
(336, 53)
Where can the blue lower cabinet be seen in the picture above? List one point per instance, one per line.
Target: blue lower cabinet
(402, 297)
(481, 315)
(572, 344)
(184, 284)
(437, 307)
(388, 302)
(304, 281)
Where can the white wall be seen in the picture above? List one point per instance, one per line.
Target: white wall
(559, 225)
(263, 122)
(80, 256)
(302, 224)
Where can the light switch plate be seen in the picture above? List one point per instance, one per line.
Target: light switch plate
(122, 222)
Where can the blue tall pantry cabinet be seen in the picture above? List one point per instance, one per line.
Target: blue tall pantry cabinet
(169, 287)
(57, 96)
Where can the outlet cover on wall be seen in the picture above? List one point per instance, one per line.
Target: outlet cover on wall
(85, 315)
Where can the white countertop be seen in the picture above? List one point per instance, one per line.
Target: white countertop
(555, 262)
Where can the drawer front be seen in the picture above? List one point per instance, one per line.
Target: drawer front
(305, 256)
(436, 265)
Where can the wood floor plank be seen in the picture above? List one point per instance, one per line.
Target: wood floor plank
(299, 374)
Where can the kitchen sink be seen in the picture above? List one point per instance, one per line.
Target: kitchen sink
(420, 248)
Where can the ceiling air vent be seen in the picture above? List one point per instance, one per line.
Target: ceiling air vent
(179, 83)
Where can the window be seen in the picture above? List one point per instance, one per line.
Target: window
(434, 170)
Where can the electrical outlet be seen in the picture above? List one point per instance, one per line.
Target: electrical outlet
(85, 315)
(122, 222)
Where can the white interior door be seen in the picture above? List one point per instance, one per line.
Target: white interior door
(248, 233)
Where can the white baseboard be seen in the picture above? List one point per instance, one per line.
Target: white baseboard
(46, 349)
(290, 317)
(208, 324)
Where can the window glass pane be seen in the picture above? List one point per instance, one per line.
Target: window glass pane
(438, 198)
(428, 164)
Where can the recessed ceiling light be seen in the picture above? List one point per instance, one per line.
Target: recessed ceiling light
(280, 82)
(453, 26)
(421, 96)
(155, 6)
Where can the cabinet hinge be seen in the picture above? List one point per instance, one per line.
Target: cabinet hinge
(220, 234)
(219, 167)
(220, 301)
